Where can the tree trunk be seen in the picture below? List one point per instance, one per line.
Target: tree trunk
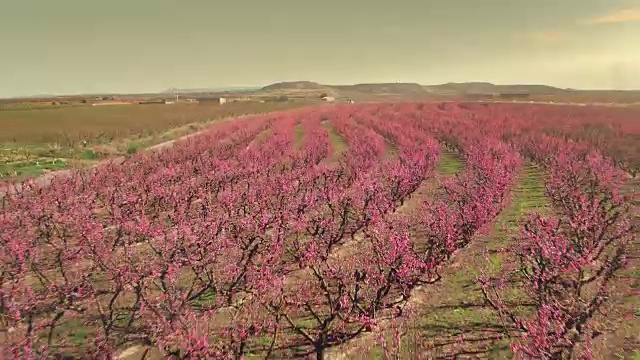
(319, 352)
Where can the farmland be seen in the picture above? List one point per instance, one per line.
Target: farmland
(34, 139)
(383, 230)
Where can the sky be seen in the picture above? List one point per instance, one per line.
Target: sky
(89, 46)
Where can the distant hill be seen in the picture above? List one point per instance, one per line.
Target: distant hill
(412, 90)
(489, 88)
(295, 85)
(357, 91)
(384, 88)
(385, 91)
(211, 90)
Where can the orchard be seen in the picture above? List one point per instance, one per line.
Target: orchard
(289, 234)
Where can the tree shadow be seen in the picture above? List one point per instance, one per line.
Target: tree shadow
(470, 340)
(301, 349)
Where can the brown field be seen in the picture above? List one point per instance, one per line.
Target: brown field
(35, 139)
(68, 126)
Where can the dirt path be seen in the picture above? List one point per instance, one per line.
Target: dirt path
(454, 320)
(337, 142)
(621, 320)
(450, 163)
(299, 136)
(453, 310)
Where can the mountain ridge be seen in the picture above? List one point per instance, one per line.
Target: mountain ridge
(212, 89)
(415, 88)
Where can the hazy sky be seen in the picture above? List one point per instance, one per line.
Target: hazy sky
(85, 46)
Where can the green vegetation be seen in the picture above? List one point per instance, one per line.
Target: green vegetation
(89, 155)
(29, 168)
(450, 163)
(132, 149)
(299, 136)
(466, 312)
(206, 298)
(455, 308)
(74, 331)
(78, 336)
(338, 144)
(528, 196)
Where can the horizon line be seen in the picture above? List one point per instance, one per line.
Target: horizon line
(257, 87)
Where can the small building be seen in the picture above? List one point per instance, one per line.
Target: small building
(350, 101)
(328, 98)
(219, 100)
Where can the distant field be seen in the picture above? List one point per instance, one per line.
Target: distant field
(33, 138)
(68, 126)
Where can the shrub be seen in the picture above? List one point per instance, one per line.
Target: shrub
(132, 149)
